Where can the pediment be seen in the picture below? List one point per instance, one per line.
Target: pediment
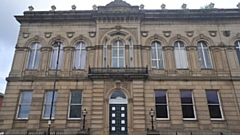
(118, 3)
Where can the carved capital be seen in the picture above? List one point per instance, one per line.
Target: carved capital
(191, 48)
(215, 48)
(137, 46)
(146, 48)
(68, 48)
(99, 47)
(165, 48)
(46, 48)
(22, 48)
(89, 48)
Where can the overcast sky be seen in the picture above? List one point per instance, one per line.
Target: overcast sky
(9, 27)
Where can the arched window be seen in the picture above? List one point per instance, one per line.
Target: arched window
(80, 56)
(131, 52)
(34, 56)
(157, 55)
(54, 58)
(118, 55)
(105, 53)
(180, 55)
(204, 55)
(237, 45)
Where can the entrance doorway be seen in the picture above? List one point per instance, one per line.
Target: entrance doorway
(118, 114)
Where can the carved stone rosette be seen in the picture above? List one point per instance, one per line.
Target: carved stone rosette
(226, 33)
(144, 33)
(189, 33)
(48, 34)
(167, 33)
(25, 34)
(213, 33)
(70, 34)
(92, 34)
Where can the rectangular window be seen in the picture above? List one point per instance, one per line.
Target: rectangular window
(214, 105)
(75, 105)
(24, 104)
(161, 105)
(188, 108)
(48, 104)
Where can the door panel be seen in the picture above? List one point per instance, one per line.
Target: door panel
(118, 119)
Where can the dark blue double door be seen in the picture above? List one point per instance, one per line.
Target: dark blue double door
(118, 119)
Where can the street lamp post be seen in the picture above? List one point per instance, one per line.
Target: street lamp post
(56, 44)
(84, 112)
(151, 113)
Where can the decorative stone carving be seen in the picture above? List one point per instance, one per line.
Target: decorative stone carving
(25, 34)
(141, 7)
(165, 48)
(211, 5)
(118, 27)
(189, 33)
(226, 33)
(92, 34)
(213, 33)
(163, 6)
(167, 33)
(36, 37)
(238, 5)
(201, 36)
(126, 86)
(94, 7)
(53, 7)
(144, 33)
(74, 7)
(30, 8)
(109, 86)
(48, 34)
(191, 48)
(179, 36)
(184, 6)
(70, 34)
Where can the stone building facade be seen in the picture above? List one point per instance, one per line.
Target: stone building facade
(120, 61)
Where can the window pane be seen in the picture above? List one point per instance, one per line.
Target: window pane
(37, 59)
(154, 56)
(76, 97)
(184, 58)
(212, 97)
(30, 62)
(114, 62)
(121, 62)
(154, 63)
(49, 95)
(160, 64)
(186, 97)
(26, 97)
(53, 61)
(237, 45)
(161, 111)
(83, 58)
(207, 58)
(114, 53)
(121, 53)
(177, 58)
(75, 111)
(188, 111)
(47, 111)
(76, 59)
(214, 111)
(160, 97)
(200, 56)
(23, 111)
(60, 59)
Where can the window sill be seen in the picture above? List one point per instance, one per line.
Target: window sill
(189, 119)
(21, 119)
(217, 119)
(182, 68)
(206, 68)
(69, 119)
(162, 119)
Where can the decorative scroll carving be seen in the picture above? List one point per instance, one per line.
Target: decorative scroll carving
(167, 33)
(70, 34)
(25, 34)
(144, 33)
(189, 33)
(146, 47)
(226, 33)
(68, 48)
(46, 48)
(126, 86)
(109, 86)
(92, 34)
(213, 33)
(48, 34)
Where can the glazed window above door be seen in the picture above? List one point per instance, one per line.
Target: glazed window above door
(34, 56)
(118, 54)
(237, 45)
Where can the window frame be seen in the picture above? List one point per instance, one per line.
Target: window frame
(49, 104)
(34, 61)
(157, 56)
(60, 57)
(220, 106)
(179, 48)
(69, 106)
(203, 54)
(118, 48)
(237, 47)
(106, 51)
(20, 104)
(79, 58)
(193, 106)
(167, 104)
(131, 53)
